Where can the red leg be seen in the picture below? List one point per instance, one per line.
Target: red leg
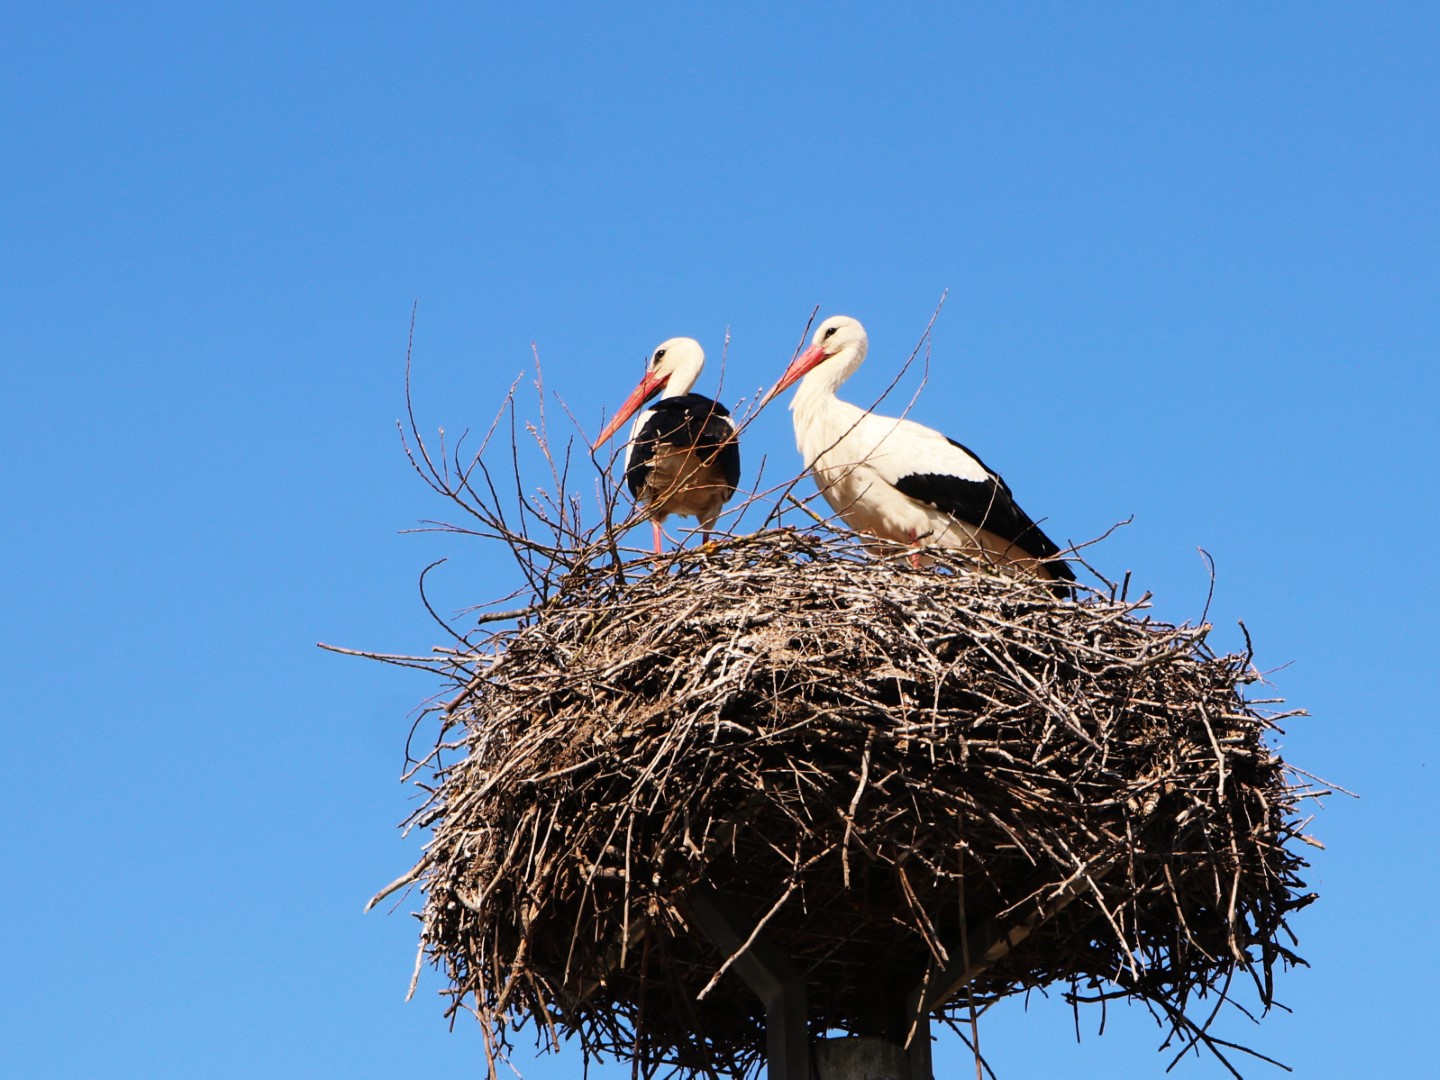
(914, 553)
(658, 534)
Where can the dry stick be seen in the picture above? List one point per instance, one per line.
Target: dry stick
(749, 940)
(965, 953)
(423, 663)
(409, 877)
(415, 971)
(855, 802)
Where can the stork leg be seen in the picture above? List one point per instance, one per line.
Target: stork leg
(659, 535)
(707, 522)
(915, 551)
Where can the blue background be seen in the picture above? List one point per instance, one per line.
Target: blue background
(1191, 255)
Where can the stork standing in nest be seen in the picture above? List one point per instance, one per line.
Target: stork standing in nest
(683, 456)
(900, 481)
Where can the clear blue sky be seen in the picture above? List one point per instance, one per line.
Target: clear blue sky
(1192, 261)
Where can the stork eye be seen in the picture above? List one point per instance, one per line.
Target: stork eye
(831, 331)
(658, 354)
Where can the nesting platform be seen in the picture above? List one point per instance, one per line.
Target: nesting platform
(936, 786)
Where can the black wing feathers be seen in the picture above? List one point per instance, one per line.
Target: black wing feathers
(690, 422)
(986, 503)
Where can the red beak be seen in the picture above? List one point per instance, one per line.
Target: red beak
(798, 367)
(649, 386)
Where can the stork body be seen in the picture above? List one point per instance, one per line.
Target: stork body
(683, 456)
(901, 482)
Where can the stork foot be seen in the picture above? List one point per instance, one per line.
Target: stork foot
(914, 551)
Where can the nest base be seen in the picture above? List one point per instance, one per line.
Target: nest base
(939, 779)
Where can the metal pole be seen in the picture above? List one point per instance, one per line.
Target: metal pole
(865, 1058)
(768, 973)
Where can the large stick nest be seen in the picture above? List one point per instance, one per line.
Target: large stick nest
(869, 760)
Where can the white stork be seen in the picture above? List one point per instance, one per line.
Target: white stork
(900, 481)
(683, 456)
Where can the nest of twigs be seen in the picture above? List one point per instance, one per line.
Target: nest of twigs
(887, 769)
(929, 789)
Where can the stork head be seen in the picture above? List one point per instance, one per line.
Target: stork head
(836, 351)
(671, 370)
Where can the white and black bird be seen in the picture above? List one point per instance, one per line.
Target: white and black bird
(683, 456)
(900, 481)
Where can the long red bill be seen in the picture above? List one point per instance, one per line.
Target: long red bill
(798, 367)
(648, 388)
